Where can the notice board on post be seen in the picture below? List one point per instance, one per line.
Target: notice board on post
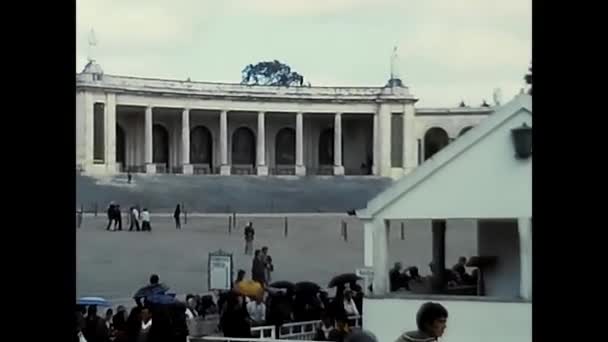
(219, 271)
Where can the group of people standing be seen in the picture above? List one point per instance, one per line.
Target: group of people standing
(140, 220)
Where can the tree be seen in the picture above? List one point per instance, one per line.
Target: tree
(528, 79)
(272, 73)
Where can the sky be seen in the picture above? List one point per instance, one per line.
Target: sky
(449, 50)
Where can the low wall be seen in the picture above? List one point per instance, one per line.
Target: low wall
(468, 321)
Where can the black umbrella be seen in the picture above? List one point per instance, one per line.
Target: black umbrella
(283, 284)
(307, 287)
(343, 279)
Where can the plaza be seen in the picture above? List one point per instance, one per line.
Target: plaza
(114, 264)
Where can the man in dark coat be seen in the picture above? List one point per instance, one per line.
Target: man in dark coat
(110, 215)
(249, 236)
(258, 269)
(95, 328)
(235, 320)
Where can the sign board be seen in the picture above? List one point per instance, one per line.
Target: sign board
(220, 271)
(366, 272)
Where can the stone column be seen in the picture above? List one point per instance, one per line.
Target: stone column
(149, 143)
(187, 167)
(338, 168)
(375, 149)
(524, 226)
(380, 253)
(262, 168)
(410, 143)
(89, 125)
(300, 168)
(225, 167)
(110, 120)
(384, 139)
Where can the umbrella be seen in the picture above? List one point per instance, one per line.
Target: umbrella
(249, 288)
(284, 285)
(93, 301)
(307, 287)
(343, 278)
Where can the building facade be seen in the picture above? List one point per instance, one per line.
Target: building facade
(167, 126)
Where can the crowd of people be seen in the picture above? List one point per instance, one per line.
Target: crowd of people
(138, 219)
(403, 278)
(158, 316)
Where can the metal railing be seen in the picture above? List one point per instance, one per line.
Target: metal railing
(201, 169)
(299, 330)
(242, 170)
(266, 331)
(233, 339)
(284, 170)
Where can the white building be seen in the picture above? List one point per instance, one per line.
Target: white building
(153, 125)
(477, 177)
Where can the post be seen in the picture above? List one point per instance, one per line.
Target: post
(229, 224)
(402, 231)
(438, 283)
(286, 227)
(96, 209)
(185, 214)
(345, 230)
(375, 148)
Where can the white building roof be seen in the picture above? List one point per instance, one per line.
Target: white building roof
(476, 176)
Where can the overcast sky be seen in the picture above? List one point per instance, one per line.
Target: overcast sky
(448, 49)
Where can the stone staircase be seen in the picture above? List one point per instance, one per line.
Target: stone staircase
(222, 194)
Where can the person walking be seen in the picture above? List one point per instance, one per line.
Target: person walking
(110, 212)
(258, 268)
(145, 220)
(431, 320)
(269, 267)
(117, 217)
(134, 219)
(176, 215)
(249, 236)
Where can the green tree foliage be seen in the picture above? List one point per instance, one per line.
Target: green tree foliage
(272, 73)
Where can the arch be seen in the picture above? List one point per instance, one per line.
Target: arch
(121, 147)
(464, 130)
(243, 147)
(326, 147)
(435, 139)
(201, 146)
(160, 149)
(285, 147)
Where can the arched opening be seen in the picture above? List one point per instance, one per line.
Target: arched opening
(326, 147)
(121, 148)
(243, 147)
(434, 140)
(160, 151)
(285, 147)
(201, 146)
(464, 130)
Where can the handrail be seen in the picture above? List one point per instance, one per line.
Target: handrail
(262, 331)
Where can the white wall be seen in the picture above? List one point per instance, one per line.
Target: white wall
(500, 239)
(485, 181)
(468, 321)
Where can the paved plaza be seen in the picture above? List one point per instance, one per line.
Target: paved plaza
(115, 264)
